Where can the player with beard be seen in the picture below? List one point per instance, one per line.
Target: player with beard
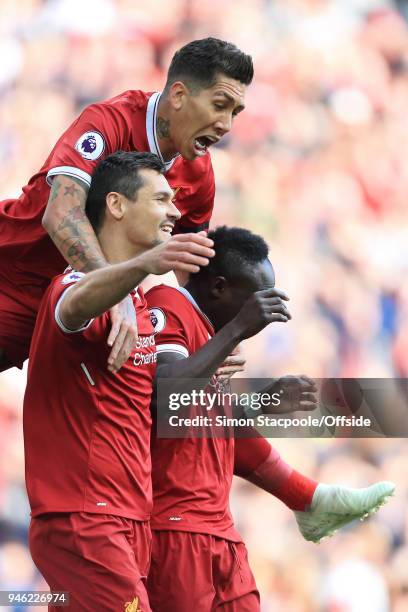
(199, 561)
(86, 429)
(204, 91)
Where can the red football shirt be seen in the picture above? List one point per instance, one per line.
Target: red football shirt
(126, 122)
(86, 430)
(191, 476)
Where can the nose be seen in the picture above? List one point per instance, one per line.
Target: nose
(173, 212)
(224, 125)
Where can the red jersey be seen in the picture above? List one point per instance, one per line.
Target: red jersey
(86, 430)
(126, 122)
(191, 476)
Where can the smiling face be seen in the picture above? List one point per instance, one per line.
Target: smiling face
(203, 116)
(149, 219)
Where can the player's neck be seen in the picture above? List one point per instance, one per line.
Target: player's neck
(163, 131)
(115, 249)
(201, 298)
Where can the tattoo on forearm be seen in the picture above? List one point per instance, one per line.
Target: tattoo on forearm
(71, 190)
(56, 184)
(163, 127)
(72, 233)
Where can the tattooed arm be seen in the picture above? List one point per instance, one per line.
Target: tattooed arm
(68, 226)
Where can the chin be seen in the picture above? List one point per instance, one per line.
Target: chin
(188, 153)
(163, 237)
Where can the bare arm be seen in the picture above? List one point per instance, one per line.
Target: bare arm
(100, 289)
(262, 308)
(68, 226)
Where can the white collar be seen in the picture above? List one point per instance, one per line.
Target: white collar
(151, 121)
(192, 301)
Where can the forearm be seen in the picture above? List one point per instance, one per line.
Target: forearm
(99, 290)
(68, 226)
(204, 363)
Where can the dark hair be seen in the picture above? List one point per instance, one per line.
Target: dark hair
(235, 248)
(200, 61)
(117, 172)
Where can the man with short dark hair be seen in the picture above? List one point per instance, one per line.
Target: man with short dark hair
(199, 561)
(204, 91)
(87, 429)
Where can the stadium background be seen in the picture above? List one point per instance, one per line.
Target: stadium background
(317, 164)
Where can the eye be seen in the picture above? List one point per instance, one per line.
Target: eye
(219, 106)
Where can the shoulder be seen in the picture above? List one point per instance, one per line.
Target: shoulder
(166, 297)
(129, 100)
(167, 303)
(61, 282)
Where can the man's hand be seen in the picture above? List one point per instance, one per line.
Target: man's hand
(262, 308)
(123, 335)
(296, 393)
(233, 363)
(185, 252)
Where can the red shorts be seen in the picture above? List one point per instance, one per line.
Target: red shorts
(101, 560)
(18, 311)
(193, 572)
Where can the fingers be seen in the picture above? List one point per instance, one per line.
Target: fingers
(307, 406)
(270, 293)
(123, 335)
(192, 258)
(184, 267)
(116, 320)
(273, 307)
(122, 347)
(229, 370)
(234, 359)
(308, 398)
(308, 381)
(196, 243)
(199, 238)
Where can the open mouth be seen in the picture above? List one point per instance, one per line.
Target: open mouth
(202, 143)
(168, 228)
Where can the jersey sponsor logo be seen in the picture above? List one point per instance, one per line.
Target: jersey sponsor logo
(158, 319)
(145, 341)
(174, 518)
(90, 145)
(133, 606)
(144, 359)
(72, 277)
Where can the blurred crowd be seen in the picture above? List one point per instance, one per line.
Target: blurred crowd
(316, 164)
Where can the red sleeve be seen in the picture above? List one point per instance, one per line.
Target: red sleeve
(250, 453)
(198, 216)
(100, 130)
(169, 316)
(93, 330)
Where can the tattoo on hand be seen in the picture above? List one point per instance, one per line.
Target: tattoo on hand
(163, 127)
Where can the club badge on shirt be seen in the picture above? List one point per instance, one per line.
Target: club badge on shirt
(158, 319)
(90, 145)
(72, 277)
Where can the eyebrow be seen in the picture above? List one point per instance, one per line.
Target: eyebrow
(165, 193)
(230, 99)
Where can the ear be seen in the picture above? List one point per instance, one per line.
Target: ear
(218, 287)
(177, 95)
(116, 205)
